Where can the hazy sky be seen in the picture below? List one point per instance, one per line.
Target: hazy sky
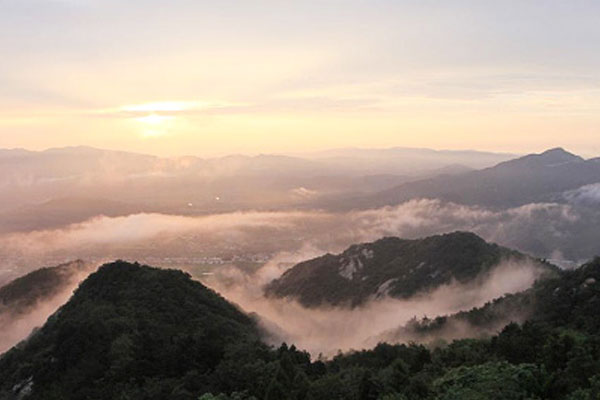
(213, 77)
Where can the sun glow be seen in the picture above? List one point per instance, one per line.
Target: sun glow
(154, 119)
(160, 106)
(177, 106)
(154, 125)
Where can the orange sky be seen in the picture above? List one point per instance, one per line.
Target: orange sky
(195, 78)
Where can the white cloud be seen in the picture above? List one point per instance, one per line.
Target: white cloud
(329, 329)
(588, 194)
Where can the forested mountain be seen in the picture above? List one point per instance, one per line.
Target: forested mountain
(390, 267)
(136, 332)
(569, 299)
(533, 178)
(26, 302)
(23, 294)
(129, 331)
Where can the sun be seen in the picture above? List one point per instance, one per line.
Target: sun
(154, 125)
(159, 106)
(154, 119)
(159, 118)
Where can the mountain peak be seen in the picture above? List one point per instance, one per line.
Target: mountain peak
(133, 321)
(558, 155)
(21, 294)
(548, 158)
(558, 152)
(390, 266)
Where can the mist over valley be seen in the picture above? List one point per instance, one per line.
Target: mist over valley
(250, 253)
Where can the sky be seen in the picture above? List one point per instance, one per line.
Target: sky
(230, 76)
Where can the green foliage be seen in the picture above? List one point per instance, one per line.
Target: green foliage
(406, 267)
(22, 294)
(134, 332)
(490, 381)
(131, 331)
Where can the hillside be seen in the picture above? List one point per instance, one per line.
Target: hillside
(570, 299)
(529, 179)
(127, 330)
(135, 332)
(22, 294)
(389, 267)
(59, 212)
(192, 185)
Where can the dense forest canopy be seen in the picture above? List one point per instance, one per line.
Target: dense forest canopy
(136, 332)
(393, 267)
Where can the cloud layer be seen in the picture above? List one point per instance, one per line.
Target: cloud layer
(326, 330)
(285, 238)
(549, 230)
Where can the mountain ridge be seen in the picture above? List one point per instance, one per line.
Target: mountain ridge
(21, 294)
(390, 266)
(135, 326)
(529, 179)
(568, 298)
(131, 331)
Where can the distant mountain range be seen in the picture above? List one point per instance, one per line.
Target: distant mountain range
(405, 161)
(25, 168)
(55, 187)
(60, 187)
(533, 178)
(338, 180)
(390, 267)
(62, 211)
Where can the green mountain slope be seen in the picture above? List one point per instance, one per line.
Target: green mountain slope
(135, 332)
(389, 267)
(128, 330)
(22, 294)
(570, 299)
(529, 179)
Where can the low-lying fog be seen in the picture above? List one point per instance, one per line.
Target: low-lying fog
(325, 330)
(15, 328)
(251, 239)
(18, 320)
(548, 230)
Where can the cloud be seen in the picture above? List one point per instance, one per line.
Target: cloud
(285, 238)
(17, 328)
(538, 229)
(326, 330)
(303, 192)
(169, 109)
(139, 227)
(587, 195)
(541, 229)
(17, 324)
